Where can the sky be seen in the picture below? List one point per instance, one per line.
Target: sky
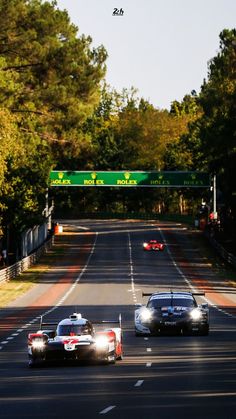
(160, 47)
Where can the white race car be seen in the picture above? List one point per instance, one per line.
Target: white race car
(75, 338)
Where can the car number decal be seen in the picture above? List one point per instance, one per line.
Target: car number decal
(69, 344)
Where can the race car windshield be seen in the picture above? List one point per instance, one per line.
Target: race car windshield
(72, 330)
(173, 302)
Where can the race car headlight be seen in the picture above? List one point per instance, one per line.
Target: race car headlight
(145, 244)
(145, 315)
(38, 344)
(196, 314)
(101, 342)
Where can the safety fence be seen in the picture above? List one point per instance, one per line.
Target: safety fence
(228, 257)
(14, 270)
(33, 238)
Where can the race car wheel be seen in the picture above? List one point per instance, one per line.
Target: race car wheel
(111, 359)
(137, 334)
(204, 331)
(186, 331)
(33, 362)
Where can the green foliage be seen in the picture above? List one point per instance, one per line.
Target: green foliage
(49, 85)
(129, 133)
(209, 143)
(213, 135)
(218, 99)
(56, 111)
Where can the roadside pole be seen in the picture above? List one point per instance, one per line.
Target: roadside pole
(214, 198)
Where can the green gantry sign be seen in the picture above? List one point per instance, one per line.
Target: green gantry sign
(162, 179)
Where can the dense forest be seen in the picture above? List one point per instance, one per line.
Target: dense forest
(57, 112)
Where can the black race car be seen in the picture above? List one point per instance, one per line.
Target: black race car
(75, 338)
(172, 312)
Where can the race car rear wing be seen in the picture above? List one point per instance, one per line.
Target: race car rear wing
(43, 324)
(148, 294)
(118, 321)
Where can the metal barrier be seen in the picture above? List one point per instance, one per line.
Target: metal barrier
(14, 270)
(32, 238)
(228, 257)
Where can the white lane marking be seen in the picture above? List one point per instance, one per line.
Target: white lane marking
(149, 349)
(146, 338)
(133, 290)
(174, 263)
(139, 383)
(81, 228)
(25, 326)
(136, 289)
(148, 364)
(104, 411)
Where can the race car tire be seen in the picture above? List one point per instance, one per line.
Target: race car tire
(137, 334)
(31, 363)
(186, 331)
(111, 359)
(204, 331)
(34, 362)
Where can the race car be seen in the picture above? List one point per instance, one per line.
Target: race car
(75, 338)
(153, 245)
(172, 312)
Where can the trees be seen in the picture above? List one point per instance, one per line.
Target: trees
(218, 128)
(57, 71)
(55, 113)
(210, 141)
(209, 144)
(128, 133)
(49, 79)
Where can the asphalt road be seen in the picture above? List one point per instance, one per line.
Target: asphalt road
(103, 273)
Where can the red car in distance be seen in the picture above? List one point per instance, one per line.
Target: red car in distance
(153, 245)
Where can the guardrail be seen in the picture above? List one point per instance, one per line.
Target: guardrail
(14, 270)
(228, 257)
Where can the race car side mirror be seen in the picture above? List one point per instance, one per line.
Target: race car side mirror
(49, 333)
(204, 306)
(138, 305)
